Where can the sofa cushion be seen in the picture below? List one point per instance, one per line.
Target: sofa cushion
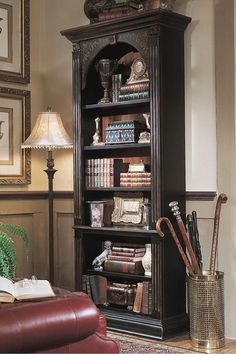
(51, 323)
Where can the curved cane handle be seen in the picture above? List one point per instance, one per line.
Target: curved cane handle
(178, 244)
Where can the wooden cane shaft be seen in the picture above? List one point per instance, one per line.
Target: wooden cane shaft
(221, 199)
(196, 268)
(178, 244)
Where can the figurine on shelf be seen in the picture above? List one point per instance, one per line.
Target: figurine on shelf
(97, 135)
(144, 137)
(97, 262)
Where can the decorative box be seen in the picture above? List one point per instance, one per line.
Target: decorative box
(121, 295)
(122, 132)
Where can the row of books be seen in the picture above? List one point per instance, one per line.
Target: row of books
(103, 172)
(135, 297)
(125, 259)
(135, 179)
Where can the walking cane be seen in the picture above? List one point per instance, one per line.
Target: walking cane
(175, 209)
(221, 200)
(178, 244)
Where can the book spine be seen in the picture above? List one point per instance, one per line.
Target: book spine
(128, 254)
(87, 173)
(138, 298)
(92, 172)
(116, 84)
(127, 249)
(133, 96)
(134, 179)
(144, 306)
(135, 184)
(84, 283)
(123, 266)
(135, 175)
(134, 88)
(149, 298)
(88, 287)
(125, 258)
(111, 172)
(113, 13)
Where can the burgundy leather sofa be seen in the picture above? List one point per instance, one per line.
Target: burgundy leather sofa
(68, 323)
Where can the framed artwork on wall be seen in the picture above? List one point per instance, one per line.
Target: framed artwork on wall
(14, 41)
(15, 163)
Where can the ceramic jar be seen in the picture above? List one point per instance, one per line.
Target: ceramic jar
(147, 260)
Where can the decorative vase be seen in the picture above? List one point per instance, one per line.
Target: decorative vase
(96, 213)
(147, 260)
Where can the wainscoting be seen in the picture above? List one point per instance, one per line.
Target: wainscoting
(30, 209)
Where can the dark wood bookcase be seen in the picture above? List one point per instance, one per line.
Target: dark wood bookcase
(158, 35)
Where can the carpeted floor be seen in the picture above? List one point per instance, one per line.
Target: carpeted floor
(130, 344)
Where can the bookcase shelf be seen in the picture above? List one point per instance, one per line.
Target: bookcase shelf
(120, 275)
(157, 37)
(118, 189)
(133, 146)
(117, 108)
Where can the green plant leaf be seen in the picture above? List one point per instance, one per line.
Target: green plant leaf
(4, 265)
(8, 253)
(16, 230)
(7, 247)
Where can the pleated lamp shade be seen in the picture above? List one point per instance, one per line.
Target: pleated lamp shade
(48, 133)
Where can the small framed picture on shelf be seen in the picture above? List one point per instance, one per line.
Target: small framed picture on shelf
(128, 209)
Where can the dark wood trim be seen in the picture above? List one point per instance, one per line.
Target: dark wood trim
(23, 195)
(191, 196)
(201, 196)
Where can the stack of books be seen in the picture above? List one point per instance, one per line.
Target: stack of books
(134, 91)
(116, 11)
(125, 259)
(135, 179)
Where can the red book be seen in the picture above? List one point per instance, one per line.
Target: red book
(123, 266)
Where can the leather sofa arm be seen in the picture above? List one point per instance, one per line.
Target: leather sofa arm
(52, 323)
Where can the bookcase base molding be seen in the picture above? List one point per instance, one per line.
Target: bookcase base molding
(146, 327)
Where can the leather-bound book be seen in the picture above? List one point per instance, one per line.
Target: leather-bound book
(144, 307)
(138, 298)
(134, 267)
(98, 286)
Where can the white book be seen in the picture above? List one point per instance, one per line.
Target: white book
(24, 289)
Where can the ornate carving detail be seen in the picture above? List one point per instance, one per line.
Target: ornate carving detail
(113, 39)
(138, 39)
(89, 50)
(76, 47)
(154, 31)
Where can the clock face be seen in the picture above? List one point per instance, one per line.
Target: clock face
(139, 67)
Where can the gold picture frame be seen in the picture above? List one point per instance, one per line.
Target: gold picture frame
(14, 41)
(128, 209)
(15, 163)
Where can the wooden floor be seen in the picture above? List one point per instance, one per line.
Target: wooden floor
(182, 341)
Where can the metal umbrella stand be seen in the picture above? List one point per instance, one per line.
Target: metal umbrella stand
(206, 310)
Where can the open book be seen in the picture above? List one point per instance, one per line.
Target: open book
(24, 289)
